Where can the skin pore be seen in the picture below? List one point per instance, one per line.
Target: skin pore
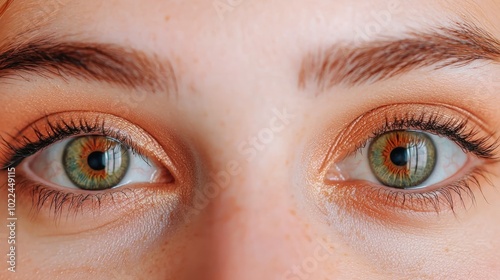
(250, 105)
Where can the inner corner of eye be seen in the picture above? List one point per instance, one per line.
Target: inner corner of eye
(338, 172)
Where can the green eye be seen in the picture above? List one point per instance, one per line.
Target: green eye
(95, 162)
(402, 159)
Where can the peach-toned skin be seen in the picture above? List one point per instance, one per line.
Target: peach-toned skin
(237, 65)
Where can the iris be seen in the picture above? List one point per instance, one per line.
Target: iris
(402, 159)
(95, 162)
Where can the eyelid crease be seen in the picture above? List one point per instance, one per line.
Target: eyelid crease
(53, 128)
(402, 116)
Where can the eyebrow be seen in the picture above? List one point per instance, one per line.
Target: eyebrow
(4, 7)
(458, 45)
(106, 63)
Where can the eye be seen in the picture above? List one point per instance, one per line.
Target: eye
(91, 163)
(403, 159)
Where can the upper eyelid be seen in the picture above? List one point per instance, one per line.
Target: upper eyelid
(347, 136)
(98, 123)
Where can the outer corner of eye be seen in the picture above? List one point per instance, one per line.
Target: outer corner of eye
(93, 163)
(402, 159)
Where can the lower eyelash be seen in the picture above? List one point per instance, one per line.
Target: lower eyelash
(446, 196)
(60, 202)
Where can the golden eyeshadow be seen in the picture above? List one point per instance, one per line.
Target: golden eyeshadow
(368, 124)
(393, 204)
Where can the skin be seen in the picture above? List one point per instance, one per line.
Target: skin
(272, 219)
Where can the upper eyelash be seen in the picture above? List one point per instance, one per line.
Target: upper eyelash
(458, 131)
(57, 131)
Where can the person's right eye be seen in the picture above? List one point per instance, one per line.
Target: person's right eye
(81, 162)
(93, 163)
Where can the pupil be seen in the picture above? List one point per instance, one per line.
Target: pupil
(97, 161)
(399, 156)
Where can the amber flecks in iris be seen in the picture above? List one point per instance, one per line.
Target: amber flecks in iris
(402, 159)
(95, 162)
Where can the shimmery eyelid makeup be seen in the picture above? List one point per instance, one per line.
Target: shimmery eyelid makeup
(53, 128)
(457, 125)
(49, 200)
(411, 116)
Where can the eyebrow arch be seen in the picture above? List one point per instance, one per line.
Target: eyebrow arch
(106, 63)
(4, 7)
(458, 45)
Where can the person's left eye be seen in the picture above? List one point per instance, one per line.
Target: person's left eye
(92, 163)
(404, 159)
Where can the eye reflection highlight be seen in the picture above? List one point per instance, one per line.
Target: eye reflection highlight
(402, 159)
(95, 162)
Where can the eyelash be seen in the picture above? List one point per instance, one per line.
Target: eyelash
(56, 131)
(456, 130)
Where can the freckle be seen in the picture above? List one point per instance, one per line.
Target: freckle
(293, 213)
(447, 250)
(308, 238)
(167, 18)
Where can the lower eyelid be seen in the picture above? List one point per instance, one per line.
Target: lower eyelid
(76, 211)
(395, 206)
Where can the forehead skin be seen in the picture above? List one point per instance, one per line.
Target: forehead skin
(234, 65)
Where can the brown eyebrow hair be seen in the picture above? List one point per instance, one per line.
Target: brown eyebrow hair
(4, 7)
(88, 61)
(458, 45)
